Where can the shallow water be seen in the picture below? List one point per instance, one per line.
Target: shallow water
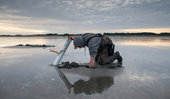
(25, 72)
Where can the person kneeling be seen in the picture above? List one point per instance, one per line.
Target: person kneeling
(101, 48)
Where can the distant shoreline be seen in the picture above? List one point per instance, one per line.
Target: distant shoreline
(107, 34)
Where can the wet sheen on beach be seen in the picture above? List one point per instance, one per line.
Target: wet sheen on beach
(25, 73)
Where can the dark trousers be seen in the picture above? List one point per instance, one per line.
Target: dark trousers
(105, 54)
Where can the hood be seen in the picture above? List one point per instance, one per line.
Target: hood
(79, 41)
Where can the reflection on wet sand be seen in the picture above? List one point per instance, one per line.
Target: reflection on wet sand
(25, 72)
(146, 42)
(21, 40)
(93, 85)
(99, 80)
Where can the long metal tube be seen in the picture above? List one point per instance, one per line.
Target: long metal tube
(60, 56)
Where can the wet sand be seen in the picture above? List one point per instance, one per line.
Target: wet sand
(25, 73)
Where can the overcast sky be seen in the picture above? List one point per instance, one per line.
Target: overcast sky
(80, 16)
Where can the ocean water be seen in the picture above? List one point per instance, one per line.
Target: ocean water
(25, 73)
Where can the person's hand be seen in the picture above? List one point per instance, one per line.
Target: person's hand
(92, 62)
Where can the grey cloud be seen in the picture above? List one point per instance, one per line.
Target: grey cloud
(77, 15)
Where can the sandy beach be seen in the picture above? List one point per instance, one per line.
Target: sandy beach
(25, 72)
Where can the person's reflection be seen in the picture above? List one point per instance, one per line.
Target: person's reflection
(93, 85)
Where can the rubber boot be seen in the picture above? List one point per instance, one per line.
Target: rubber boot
(118, 57)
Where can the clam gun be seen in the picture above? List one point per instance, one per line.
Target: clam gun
(61, 53)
